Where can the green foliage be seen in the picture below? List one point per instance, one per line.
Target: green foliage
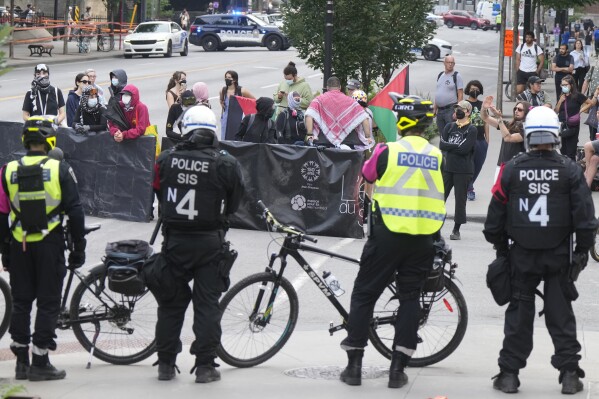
(371, 38)
(165, 7)
(564, 4)
(5, 32)
(7, 390)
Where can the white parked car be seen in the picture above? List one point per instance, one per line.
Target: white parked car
(434, 49)
(434, 19)
(275, 19)
(158, 37)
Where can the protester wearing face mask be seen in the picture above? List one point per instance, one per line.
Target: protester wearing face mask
(43, 98)
(114, 113)
(175, 114)
(231, 88)
(135, 113)
(89, 116)
(81, 82)
(292, 82)
(259, 127)
(457, 143)
(176, 85)
(290, 125)
(474, 89)
(569, 107)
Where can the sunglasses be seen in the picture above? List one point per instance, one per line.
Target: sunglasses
(518, 109)
(84, 81)
(41, 67)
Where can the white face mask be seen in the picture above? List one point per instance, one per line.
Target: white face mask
(92, 102)
(126, 99)
(114, 81)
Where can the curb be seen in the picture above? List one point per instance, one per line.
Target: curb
(64, 59)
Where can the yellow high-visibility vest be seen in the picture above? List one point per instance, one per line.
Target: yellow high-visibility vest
(410, 194)
(52, 193)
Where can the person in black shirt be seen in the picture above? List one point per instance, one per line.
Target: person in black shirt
(43, 98)
(290, 124)
(89, 116)
(457, 143)
(569, 107)
(259, 127)
(175, 113)
(533, 93)
(474, 89)
(562, 65)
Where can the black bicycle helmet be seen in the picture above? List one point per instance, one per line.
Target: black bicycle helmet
(39, 130)
(412, 111)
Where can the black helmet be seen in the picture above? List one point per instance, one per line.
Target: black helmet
(39, 130)
(412, 111)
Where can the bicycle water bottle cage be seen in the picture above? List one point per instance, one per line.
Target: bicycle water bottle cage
(32, 197)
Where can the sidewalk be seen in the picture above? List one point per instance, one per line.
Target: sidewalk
(23, 59)
(309, 365)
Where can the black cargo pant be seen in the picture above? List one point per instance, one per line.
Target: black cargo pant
(529, 267)
(191, 256)
(386, 253)
(37, 274)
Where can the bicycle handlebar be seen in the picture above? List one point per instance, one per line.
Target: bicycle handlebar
(270, 219)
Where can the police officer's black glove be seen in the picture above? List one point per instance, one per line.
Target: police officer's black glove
(501, 250)
(5, 255)
(581, 258)
(77, 256)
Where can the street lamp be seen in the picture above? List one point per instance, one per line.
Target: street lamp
(328, 43)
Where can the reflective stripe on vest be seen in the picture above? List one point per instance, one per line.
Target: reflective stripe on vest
(53, 194)
(410, 194)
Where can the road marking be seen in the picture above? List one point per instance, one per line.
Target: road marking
(264, 67)
(269, 86)
(144, 77)
(315, 75)
(7, 80)
(478, 67)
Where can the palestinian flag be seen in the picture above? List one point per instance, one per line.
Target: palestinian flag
(382, 105)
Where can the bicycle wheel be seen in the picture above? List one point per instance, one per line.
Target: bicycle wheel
(126, 323)
(595, 248)
(440, 332)
(253, 332)
(5, 306)
(508, 91)
(105, 43)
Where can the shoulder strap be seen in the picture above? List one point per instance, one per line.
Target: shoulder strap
(250, 122)
(455, 83)
(521, 47)
(439, 76)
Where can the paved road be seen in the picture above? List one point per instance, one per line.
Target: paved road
(465, 374)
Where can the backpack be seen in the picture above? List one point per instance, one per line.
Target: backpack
(251, 122)
(536, 51)
(455, 81)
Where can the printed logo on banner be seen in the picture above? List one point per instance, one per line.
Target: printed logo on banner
(310, 171)
(298, 202)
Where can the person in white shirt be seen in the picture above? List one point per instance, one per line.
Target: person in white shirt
(526, 61)
(581, 63)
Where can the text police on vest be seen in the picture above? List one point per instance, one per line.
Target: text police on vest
(418, 160)
(190, 165)
(535, 177)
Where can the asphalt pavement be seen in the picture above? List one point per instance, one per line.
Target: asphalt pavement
(309, 364)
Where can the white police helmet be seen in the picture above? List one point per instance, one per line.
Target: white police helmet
(541, 126)
(198, 117)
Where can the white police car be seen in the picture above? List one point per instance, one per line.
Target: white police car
(158, 37)
(434, 49)
(219, 31)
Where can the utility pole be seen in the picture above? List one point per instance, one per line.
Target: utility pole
(501, 54)
(328, 43)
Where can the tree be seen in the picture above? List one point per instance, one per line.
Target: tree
(371, 38)
(5, 32)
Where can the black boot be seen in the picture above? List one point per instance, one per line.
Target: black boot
(570, 380)
(397, 377)
(506, 382)
(42, 370)
(166, 369)
(23, 364)
(352, 375)
(206, 372)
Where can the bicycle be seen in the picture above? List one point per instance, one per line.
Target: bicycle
(105, 42)
(260, 312)
(5, 306)
(102, 320)
(595, 248)
(83, 41)
(508, 90)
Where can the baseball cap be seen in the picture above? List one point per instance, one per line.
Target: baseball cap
(353, 84)
(465, 105)
(534, 79)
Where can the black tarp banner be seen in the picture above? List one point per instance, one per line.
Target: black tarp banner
(317, 191)
(114, 179)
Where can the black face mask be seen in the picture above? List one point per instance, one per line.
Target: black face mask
(474, 93)
(228, 82)
(460, 114)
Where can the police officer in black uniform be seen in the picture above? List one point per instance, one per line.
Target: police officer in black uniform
(199, 187)
(541, 199)
(39, 191)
